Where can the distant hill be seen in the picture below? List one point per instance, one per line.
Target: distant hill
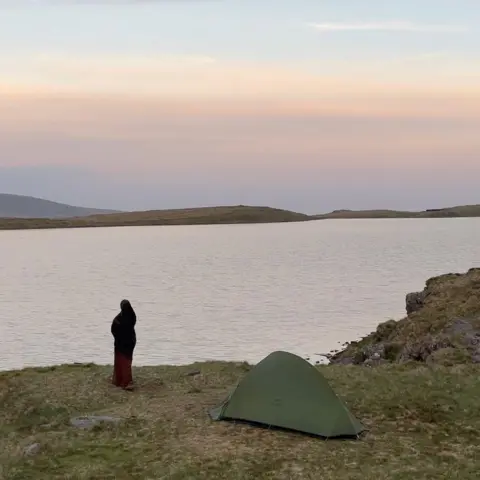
(18, 213)
(450, 212)
(20, 206)
(185, 216)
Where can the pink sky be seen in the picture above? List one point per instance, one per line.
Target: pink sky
(368, 130)
(135, 118)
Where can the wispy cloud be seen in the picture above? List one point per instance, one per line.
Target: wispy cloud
(202, 77)
(394, 26)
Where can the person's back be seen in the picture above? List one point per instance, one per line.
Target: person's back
(125, 340)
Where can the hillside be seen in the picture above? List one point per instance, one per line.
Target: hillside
(450, 212)
(20, 212)
(188, 216)
(442, 326)
(20, 206)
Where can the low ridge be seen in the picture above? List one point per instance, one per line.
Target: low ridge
(186, 216)
(449, 212)
(22, 206)
(19, 212)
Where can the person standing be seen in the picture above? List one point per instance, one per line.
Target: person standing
(125, 340)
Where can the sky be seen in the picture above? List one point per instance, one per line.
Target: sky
(310, 105)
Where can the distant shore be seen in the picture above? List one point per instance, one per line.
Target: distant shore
(239, 214)
(187, 216)
(449, 212)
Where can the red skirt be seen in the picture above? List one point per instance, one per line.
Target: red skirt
(122, 371)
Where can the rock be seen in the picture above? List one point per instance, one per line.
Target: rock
(467, 332)
(32, 449)
(92, 420)
(375, 351)
(464, 327)
(421, 349)
(344, 360)
(373, 354)
(414, 301)
(476, 358)
(194, 373)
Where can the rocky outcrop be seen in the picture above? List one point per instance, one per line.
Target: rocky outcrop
(442, 326)
(414, 301)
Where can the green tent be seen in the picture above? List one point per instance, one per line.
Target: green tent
(286, 391)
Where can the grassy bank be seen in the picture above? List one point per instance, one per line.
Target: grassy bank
(187, 216)
(423, 424)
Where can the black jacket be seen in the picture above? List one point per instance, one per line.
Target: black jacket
(123, 329)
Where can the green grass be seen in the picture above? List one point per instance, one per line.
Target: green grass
(187, 216)
(423, 424)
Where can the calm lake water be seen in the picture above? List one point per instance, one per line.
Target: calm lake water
(217, 292)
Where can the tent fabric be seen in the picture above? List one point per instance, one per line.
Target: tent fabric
(286, 391)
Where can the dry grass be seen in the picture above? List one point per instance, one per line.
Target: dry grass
(423, 424)
(187, 216)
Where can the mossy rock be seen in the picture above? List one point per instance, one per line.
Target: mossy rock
(392, 351)
(384, 330)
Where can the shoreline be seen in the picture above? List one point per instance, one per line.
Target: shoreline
(228, 361)
(8, 227)
(163, 430)
(127, 225)
(224, 215)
